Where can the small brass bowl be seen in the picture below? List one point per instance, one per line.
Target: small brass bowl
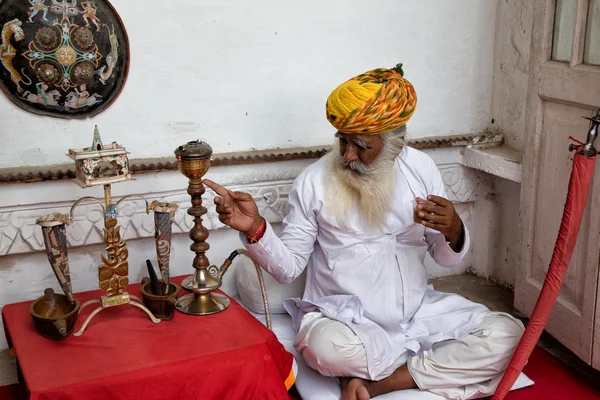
(61, 324)
(163, 307)
(193, 159)
(193, 168)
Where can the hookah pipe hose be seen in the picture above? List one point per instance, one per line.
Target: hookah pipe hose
(261, 280)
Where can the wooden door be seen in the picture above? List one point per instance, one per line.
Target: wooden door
(564, 85)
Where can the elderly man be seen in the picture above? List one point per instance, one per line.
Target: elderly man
(361, 220)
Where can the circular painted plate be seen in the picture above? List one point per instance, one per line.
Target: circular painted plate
(62, 58)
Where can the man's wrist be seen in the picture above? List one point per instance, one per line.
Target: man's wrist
(258, 221)
(457, 240)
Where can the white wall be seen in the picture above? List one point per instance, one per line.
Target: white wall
(509, 107)
(511, 70)
(506, 257)
(244, 75)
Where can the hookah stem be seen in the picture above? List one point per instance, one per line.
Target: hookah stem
(233, 255)
(227, 263)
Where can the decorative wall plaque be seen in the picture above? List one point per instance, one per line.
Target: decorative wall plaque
(63, 58)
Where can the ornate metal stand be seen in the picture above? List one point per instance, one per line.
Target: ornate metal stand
(113, 273)
(194, 161)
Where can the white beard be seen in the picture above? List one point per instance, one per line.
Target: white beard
(359, 188)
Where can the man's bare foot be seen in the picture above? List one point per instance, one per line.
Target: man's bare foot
(354, 389)
(359, 389)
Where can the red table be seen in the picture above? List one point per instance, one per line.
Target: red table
(123, 355)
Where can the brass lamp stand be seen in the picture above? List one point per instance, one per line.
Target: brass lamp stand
(193, 162)
(113, 272)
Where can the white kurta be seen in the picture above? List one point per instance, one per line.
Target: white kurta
(375, 283)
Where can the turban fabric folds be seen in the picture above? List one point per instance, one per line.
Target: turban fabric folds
(372, 103)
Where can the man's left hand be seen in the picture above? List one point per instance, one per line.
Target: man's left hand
(439, 214)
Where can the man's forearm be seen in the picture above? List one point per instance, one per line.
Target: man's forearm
(275, 257)
(457, 240)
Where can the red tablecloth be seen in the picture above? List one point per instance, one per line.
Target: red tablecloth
(123, 355)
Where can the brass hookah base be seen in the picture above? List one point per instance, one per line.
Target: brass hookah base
(201, 300)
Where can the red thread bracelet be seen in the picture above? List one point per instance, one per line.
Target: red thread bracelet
(256, 236)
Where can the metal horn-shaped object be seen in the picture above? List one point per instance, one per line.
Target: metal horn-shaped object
(55, 239)
(163, 223)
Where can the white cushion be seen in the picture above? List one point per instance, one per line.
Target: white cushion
(246, 280)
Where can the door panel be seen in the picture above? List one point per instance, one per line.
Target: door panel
(559, 95)
(572, 319)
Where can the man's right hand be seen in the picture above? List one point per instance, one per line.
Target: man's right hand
(237, 210)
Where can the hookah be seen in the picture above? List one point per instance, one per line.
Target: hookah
(193, 161)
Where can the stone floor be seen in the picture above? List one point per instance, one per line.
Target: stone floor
(478, 290)
(8, 369)
(473, 288)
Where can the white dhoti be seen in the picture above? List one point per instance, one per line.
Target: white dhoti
(463, 368)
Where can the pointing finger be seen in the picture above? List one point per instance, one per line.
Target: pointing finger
(220, 190)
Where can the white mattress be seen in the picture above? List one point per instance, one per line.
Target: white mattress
(313, 386)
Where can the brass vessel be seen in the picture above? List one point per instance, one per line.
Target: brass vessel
(161, 306)
(193, 161)
(56, 318)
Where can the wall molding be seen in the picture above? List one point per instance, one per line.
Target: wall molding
(140, 166)
(20, 234)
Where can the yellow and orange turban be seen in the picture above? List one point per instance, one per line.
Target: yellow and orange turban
(375, 102)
